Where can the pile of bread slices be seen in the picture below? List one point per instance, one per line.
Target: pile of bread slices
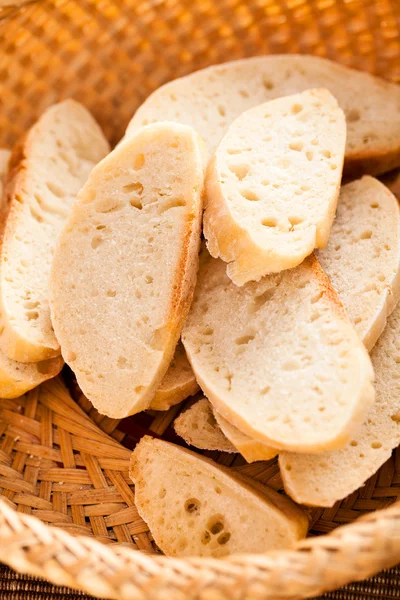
(286, 311)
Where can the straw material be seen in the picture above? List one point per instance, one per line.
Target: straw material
(61, 463)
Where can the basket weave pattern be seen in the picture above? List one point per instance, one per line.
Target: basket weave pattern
(59, 459)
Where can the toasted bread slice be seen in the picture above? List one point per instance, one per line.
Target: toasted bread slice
(251, 450)
(195, 507)
(47, 169)
(210, 99)
(362, 258)
(279, 359)
(198, 427)
(321, 480)
(178, 383)
(273, 184)
(131, 246)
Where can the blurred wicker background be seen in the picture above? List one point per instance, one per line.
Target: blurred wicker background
(111, 55)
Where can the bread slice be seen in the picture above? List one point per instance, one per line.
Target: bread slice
(198, 427)
(321, 480)
(130, 245)
(195, 507)
(4, 159)
(47, 169)
(178, 383)
(362, 258)
(17, 378)
(273, 184)
(251, 450)
(279, 359)
(210, 99)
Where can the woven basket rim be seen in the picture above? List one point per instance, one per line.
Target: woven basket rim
(350, 552)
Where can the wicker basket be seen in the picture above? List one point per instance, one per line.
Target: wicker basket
(63, 467)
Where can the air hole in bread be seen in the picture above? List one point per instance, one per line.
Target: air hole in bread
(162, 493)
(326, 153)
(366, 235)
(353, 115)
(297, 146)
(296, 108)
(138, 163)
(149, 279)
(218, 490)
(265, 390)
(32, 315)
(136, 203)
(122, 362)
(374, 205)
(101, 227)
(29, 304)
(295, 221)
(244, 339)
(291, 365)
(260, 300)
(36, 214)
(55, 189)
(269, 222)
(172, 203)
(133, 187)
(206, 537)
(96, 241)
(249, 195)
(265, 182)
(376, 445)
(111, 293)
(192, 505)
(267, 83)
(244, 93)
(208, 331)
(221, 110)
(333, 168)
(240, 170)
(310, 155)
(44, 367)
(317, 297)
(138, 389)
(70, 357)
(224, 538)
(396, 417)
(233, 151)
(215, 524)
(109, 206)
(353, 443)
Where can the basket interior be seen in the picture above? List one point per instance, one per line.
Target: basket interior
(59, 459)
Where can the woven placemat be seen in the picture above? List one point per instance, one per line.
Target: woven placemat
(13, 586)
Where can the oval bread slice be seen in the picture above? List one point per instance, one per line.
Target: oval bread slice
(117, 314)
(178, 383)
(321, 480)
(16, 378)
(47, 169)
(251, 450)
(279, 359)
(362, 258)
(195, 507)
(198, 427)
(211, 99)
(273, 184)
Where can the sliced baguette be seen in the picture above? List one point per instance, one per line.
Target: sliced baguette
(251, 450)
(17, 378)
(321, 480)
(4, 160)
(198, 427)
(210, 99)
(47, 169)
(279, 359)
(178, 383)
(362, 258)
(273, 184)
(141, 208)
(195, 507)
